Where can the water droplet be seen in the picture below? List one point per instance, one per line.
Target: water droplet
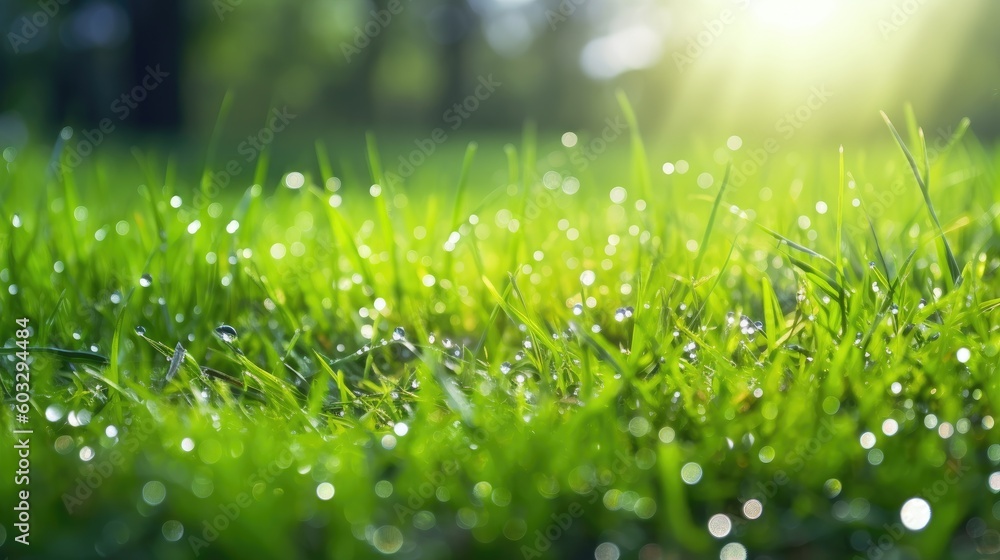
(578, 309)
(607, 551)
(915, 514)
(691, 473)
(141, 331)
(752, 509)
(226, 333)
(325, 491)
(53, 413)
(173, 530)
(154, 492)
(719, 525)
(733, 551)
(145, 280)
(399, 333)
(963, 355)
(387, 539)
(505, 368)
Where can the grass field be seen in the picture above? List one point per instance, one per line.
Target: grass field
(518, 357)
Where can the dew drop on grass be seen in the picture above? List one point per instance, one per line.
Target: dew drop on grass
(753, 509)
(963, 355)
(53, 413)
(578, 309)
(733, 551)
(154, 492)
(607, 551)
(325, 491)
(399, 333)
(505, 368)
(915, 514)
(173, 530)
(691, 473)
(719, 525)
(387, 539)
(994, 482)
(145, 280)
(141, 331)
(226, 333)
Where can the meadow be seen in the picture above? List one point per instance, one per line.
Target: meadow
(545, 349)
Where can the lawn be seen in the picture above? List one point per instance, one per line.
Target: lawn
(525, 353)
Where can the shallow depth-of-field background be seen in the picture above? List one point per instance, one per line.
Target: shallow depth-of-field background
(500, 279)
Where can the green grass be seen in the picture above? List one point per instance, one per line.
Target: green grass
(556, 371)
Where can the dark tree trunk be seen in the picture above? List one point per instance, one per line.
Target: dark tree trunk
(157, 37)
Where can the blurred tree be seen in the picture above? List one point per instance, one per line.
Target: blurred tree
(158, 33)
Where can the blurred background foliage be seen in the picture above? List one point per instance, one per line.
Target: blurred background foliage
(696, 70)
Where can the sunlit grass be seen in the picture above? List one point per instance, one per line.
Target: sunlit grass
(562, 362)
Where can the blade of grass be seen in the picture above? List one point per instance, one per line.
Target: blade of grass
(456, 212)
(954, 270)
(213, 146)
(640, 162)
(711, 223)
(388, 230)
